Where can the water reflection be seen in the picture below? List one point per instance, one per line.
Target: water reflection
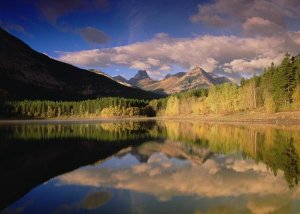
(150, 167)
(245, 182)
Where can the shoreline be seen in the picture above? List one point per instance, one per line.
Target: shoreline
(279, 118)
(75, 120)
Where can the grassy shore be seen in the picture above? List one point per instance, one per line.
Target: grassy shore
(245, 117)
(75, 120)
(284, 118)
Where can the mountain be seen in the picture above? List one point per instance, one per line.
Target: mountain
(179, 74)
(141, 79)
(182, 81)
(28, 74)
(119, 79)
(141, 75)
(122, 80)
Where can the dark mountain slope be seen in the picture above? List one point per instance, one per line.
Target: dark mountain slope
(27, 74)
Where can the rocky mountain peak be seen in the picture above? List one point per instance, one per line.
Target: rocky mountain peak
(200, 74)
(141, 74)
(197, 69)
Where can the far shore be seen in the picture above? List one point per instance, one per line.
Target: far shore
(75, 120)
(280, 118)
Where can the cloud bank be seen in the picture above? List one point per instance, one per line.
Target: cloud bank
(229, 54)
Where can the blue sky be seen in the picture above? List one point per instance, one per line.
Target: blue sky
(229, 37)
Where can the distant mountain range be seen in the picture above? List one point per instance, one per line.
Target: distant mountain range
(28, 74)
(182, 81)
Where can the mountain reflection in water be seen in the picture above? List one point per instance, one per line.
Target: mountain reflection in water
(150, 167)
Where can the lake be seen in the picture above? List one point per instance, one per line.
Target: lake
(149, 167)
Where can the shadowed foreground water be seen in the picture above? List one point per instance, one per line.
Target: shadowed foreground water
(149, 167)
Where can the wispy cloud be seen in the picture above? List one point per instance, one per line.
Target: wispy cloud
(12, 26)
(9, 26)
(52, 10)
(94, 35)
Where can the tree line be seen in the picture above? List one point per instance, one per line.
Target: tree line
(106, 107)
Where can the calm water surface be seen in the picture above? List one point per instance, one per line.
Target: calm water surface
(149, 167)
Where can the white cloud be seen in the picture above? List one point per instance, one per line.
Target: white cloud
(165, 68)
(258, 26)
(231, 54)
(139, 65)
(153, 62)
(250, 66)
(295, 37)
